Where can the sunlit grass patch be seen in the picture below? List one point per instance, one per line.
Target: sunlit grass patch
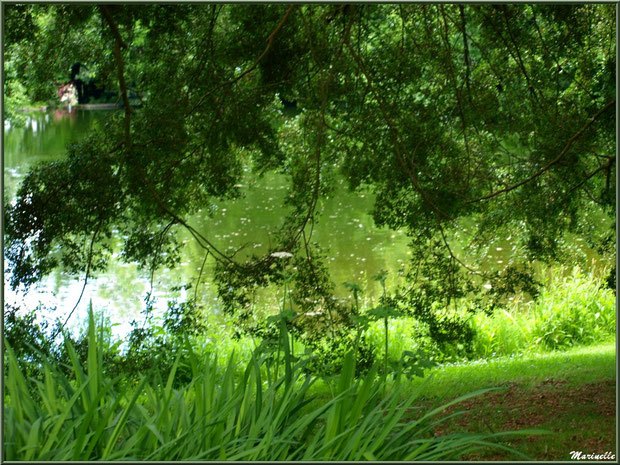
(576, 365)
(573, 308)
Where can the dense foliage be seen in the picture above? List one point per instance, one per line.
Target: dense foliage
(571, 310)
(500, 115)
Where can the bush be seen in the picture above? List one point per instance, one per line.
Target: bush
(328, 354)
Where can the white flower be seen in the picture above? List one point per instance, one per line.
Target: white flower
(281, 254)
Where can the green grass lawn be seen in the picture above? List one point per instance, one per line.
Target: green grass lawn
(572, 394)
(576, 366)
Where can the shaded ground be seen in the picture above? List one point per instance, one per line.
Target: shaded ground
(580, 417)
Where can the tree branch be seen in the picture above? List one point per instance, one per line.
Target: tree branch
(566, 148)
(457, 91)
(530, 86)
(118, 45)
(320, 136)
(248, 70)
(454, 257)
(465, 51)
(200, 274)
(394, 135)
(86, 276)
(606, 166)
(202, 241)
(162, 234)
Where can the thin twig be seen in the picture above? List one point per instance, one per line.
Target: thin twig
(153, 266)
(200, 274)
(465, 51)
(454, 257)
(606, 166)
(519, 60)
(86, 276)
(202, 241)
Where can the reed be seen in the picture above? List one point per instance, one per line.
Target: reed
(234, 413)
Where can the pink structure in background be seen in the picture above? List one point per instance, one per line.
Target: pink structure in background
(68, 94)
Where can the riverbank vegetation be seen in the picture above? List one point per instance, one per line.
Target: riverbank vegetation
(482, 134)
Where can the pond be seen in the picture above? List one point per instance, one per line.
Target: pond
(355, 248)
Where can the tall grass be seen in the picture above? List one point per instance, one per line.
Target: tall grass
(571, 310)
(235, 413)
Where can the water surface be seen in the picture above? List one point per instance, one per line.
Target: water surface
(356, 249)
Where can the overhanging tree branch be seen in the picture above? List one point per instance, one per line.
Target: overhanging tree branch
(457, 91)
(519, 60)
(320, 136)
(202, 241)
(454, 257)
(545, 168)
(607, 166)
(200, 274)
(119, 44)
(248, 70)
(394, 135)
(465, 51)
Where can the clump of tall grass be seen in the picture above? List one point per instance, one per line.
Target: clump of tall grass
(504, 332)
(573, 308)
(235, 413)
(570, 310)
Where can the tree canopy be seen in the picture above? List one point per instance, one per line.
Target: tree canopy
(499, 115)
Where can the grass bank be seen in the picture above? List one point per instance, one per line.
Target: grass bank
(575, 366)
(573, 309)
(254, 414)
(571, 394)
